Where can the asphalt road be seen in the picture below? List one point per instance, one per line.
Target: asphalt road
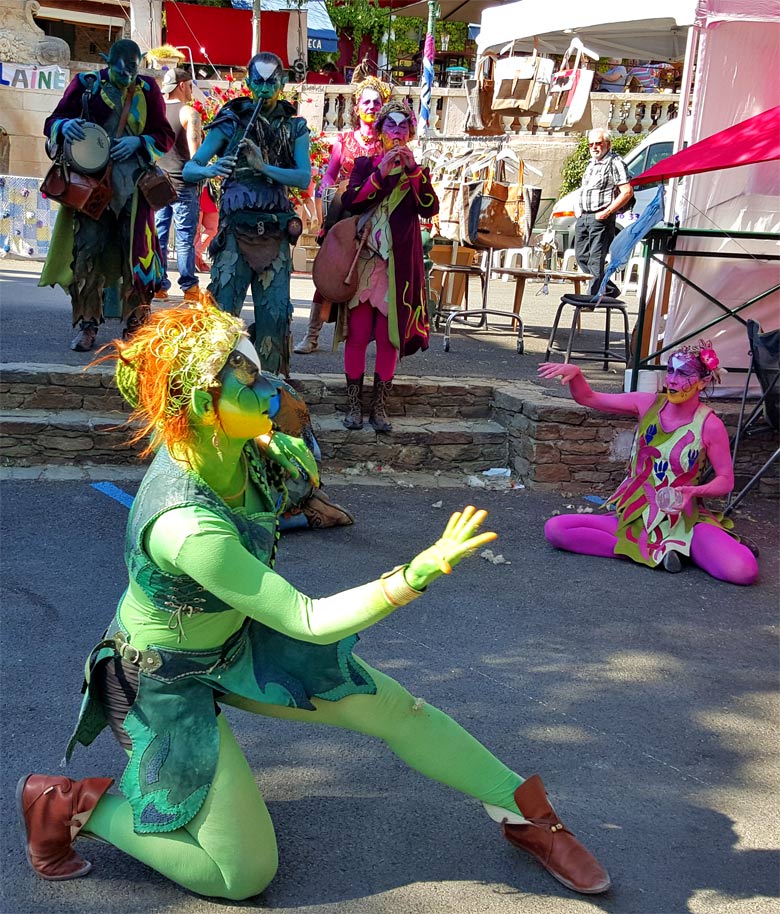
(35, 327)
(646, 701)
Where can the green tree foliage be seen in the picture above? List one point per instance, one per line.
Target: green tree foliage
(575, 165)
(361, 18)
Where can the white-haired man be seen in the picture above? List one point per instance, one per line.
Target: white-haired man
(605, 191)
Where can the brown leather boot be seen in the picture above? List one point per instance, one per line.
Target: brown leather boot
(553, 845)
(311, 341)
(53, 811)
(84, 340)
(354, 417)
(320, 511)
(378, 416)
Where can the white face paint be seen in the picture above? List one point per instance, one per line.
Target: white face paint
(248, 350)
(266, 69)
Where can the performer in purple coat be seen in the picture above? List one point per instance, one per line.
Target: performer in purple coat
(86, 255)
(393, 192)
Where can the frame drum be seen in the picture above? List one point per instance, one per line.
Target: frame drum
(90, 155)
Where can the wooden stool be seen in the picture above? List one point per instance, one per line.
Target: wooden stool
(586, 303)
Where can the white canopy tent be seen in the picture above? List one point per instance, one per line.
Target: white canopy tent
(734, 48)
(611, 28)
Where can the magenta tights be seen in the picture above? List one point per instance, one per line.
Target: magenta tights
(711, 548)
(366, 322)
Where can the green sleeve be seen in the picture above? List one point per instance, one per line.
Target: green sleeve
(195, 542)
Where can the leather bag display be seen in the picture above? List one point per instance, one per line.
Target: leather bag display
(567, 103)
(481, 119)
(156, 186)
(522, 84)
(502, 214)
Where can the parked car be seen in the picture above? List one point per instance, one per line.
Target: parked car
(656, 146)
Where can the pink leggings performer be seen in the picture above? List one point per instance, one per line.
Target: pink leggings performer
(712, 549)
(660, 510)
(366, 322)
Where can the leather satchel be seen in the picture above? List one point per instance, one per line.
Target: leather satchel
(87, 194)
(501, 215)
(156, 186)
(335, 273)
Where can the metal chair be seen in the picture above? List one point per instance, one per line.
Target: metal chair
(765, 365)
(586, 304)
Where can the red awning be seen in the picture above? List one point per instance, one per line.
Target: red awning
(225, 33)
(755, 140)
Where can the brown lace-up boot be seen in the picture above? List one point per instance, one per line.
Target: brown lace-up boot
(553, 845)
(320, 511)
(54, 810)
(354, 417)
(378, 415)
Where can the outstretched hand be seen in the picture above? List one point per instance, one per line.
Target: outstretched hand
(292, 454)
(563, 370)
(460, 539)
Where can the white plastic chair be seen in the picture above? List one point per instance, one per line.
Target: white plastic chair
(511, 257)
(632, 276)
(569, 260)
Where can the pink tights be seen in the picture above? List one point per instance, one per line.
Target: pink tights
(366, 322)
(711, 548)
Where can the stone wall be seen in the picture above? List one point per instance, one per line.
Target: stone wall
(64, 415)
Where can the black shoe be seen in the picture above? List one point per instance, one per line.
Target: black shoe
(672, 562)
(84, 340)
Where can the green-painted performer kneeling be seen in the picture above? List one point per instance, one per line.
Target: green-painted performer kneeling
(261, 149)
(205, 621)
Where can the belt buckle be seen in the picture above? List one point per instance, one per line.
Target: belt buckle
(130, 653)
(261, 228)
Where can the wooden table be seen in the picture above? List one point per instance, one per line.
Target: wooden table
(521, 275)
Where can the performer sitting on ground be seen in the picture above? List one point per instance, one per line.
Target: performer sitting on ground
(262, 149)
(362, 140)
(206, 621)
(660, 514)
(87, 255)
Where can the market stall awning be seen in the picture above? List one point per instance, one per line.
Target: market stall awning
(756, 139)
(448, 10)
(612, 28)
(320, 33)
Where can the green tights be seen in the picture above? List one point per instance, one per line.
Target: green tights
(229, 849)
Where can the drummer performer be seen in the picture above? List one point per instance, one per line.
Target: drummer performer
(87, 255)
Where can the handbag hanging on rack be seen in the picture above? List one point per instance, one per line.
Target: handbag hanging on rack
(502, 214)
(89, 194)
(522, 84)
(567, 104)
(481, 119)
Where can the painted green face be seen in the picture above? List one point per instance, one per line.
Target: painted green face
(247, 398)
(123, 71)
(265, 81)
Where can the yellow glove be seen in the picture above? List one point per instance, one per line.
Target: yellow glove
(459, 540)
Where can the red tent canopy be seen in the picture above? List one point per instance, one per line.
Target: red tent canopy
(755, 140)
(225, 34)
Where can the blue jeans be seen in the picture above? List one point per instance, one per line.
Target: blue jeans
(184, 213)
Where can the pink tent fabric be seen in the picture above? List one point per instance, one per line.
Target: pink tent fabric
(755, 140)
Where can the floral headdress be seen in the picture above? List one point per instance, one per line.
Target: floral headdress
(373, 82)
(399, 106)
(705, 356)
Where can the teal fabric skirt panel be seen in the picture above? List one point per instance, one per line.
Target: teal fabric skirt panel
(173, 725)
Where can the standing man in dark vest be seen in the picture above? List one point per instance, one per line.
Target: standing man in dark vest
(187, 128)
